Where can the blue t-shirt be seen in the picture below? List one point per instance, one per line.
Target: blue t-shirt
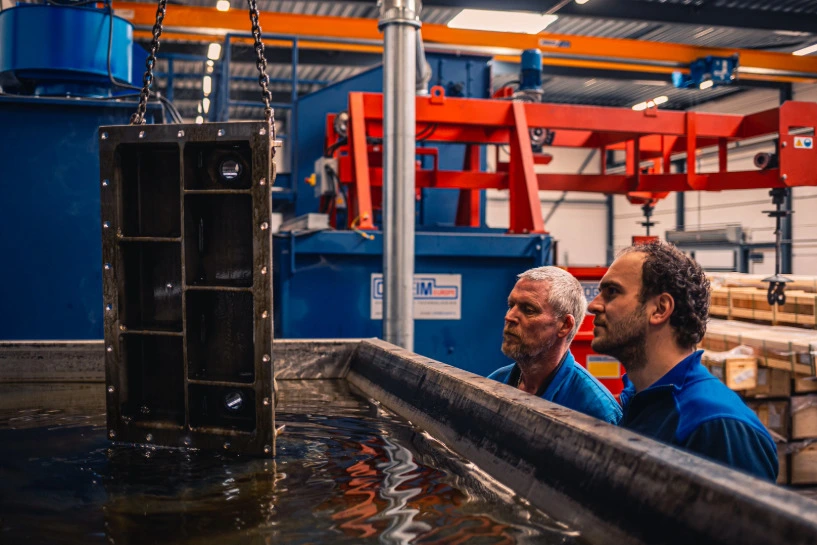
(690, 408)
(575, 388)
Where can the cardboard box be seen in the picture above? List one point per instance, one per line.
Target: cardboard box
(804, 385)
(785, 348)
(804, 417)
(782, 462)
(774, 415)
(737, 372)
(771, 383)
(803, 463)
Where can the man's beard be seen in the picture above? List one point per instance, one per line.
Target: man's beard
(523, 353)
(626, 342)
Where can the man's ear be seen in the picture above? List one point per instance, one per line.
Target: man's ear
(567, 326)
(663, 306)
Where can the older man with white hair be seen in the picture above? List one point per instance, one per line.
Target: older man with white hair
(545, 309)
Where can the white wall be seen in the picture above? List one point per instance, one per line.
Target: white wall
(581, 228)
(716, 209)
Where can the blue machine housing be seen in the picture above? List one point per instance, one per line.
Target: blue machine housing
(465, 76)
(323, 289)
(50, 277)
(51, 242)
(531, 70)
(323, 283)
(64, 49)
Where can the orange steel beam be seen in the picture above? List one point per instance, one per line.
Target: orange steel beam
(600, 52)
(485, 120)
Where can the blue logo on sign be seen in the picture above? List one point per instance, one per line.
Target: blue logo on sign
(425, 288)
(591, 290)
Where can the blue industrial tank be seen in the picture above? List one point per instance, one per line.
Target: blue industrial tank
(327, 285)
(52, 58)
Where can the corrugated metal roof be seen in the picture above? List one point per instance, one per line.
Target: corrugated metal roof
(621, 93)
(781, 6)
(599, 91)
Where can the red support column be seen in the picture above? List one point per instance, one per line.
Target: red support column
(360, 163)
(723, 156)
(694, 180)
(468, 205)
(523, 198)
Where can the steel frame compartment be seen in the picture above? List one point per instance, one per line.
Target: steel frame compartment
(323, 288)
(186, 249)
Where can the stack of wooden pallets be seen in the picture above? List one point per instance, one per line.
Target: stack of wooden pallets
(773, 368)
(743, 297)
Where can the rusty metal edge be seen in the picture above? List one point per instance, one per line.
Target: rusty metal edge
(614, 485)
(83, 361)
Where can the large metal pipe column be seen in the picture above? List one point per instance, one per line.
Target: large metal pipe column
(400, 22)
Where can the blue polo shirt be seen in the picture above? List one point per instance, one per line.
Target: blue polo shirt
(690, 408)
(573, 387)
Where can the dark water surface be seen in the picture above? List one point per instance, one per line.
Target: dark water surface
(347, 471)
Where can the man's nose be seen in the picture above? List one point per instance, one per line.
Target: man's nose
(596, 306)
(511, 316)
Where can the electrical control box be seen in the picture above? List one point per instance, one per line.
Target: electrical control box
(187, 285)
(326, 176)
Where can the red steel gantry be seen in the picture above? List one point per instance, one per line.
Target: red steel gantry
(649, 136)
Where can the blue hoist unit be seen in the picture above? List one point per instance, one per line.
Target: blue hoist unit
(708, 72)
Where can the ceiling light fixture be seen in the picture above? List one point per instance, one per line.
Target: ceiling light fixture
(706, 85)
(502, 21)
(214, 51)
(657, 101)
(223, 5)
(207, 85)
(806, 51)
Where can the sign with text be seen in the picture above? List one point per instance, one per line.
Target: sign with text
(436, 296)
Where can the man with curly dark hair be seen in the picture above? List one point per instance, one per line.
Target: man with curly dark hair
(651, 311)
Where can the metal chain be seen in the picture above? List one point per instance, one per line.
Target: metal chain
(261, 63)
(138, 118)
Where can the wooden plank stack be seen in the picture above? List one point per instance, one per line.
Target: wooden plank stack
(750, 304)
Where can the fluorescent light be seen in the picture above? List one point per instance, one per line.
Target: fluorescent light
(207, 85)
(198, 107)
(502, 21)
(806, 50)
(791, 33)
(641, 106)
(582, 1)
(205, 103)
(214, 51)
(223, 5)
(706, 85)
(211, 63)
(199, 120)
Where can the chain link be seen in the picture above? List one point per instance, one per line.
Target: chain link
(138, 118)
(261, 64)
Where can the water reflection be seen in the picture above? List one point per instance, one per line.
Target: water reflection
(347, 472)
